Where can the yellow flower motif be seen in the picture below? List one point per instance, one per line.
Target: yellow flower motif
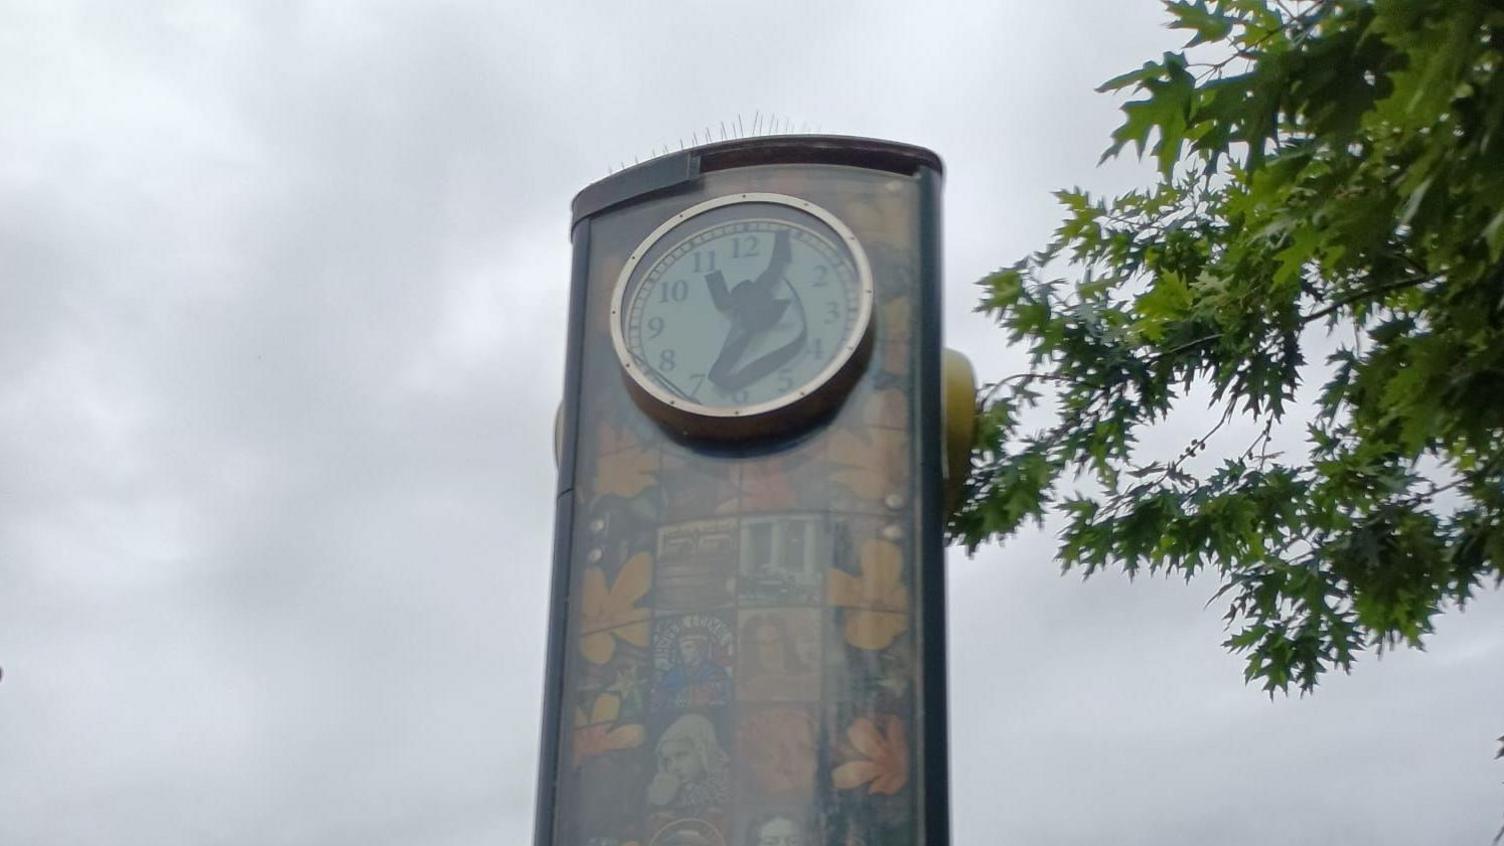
(877, 602)
(609, 614)
(594, 734)
(625, 468)
(883, 762)
(871, 464)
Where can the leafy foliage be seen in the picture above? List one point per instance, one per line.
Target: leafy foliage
(1334, 181)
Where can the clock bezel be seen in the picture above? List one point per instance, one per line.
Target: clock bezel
(783, 412)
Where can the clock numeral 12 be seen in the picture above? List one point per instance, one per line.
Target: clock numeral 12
(740, 251)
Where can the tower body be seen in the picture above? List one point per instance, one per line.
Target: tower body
(747, 633)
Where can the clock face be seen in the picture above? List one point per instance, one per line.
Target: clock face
(741, 306)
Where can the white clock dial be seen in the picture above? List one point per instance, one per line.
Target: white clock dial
(742, 311)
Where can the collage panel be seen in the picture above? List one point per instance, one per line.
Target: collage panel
(783, 558)
(778, 754)
(691, 776)
(694, 656)
(778, 656)
(761, 824)
(697, 565)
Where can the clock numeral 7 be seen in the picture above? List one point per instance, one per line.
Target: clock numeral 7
(694, 389)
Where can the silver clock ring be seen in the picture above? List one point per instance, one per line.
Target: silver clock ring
(839, 361)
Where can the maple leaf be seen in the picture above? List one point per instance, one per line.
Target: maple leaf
(883, 762)
(877, 602)
(624, 468)
(595, 734)
(611, 613)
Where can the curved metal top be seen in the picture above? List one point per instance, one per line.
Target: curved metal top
(673, 169)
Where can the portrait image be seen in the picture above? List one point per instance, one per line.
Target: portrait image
(778, 655)
(692, 658)
(693, 771)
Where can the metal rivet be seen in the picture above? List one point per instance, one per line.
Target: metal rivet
(892, 532)
(597, 525)
(595, 556)
(894, 501)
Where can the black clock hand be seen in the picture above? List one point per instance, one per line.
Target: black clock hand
(777, 358)
(777, 264)
(736, 344)
(718, 294)
(765, 365)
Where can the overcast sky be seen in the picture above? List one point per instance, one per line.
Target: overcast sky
(282, 314)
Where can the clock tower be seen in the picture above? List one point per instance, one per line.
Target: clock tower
(747, 633)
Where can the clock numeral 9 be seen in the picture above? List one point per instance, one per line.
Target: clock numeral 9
(655, 325)
(677, 291)
(743, 247)
(705, 261)
(667, 361)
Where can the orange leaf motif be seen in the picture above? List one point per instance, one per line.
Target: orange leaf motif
(609, 614)
(877, 601)
(883, 764)
(594, 733)
(870, 464)
(624, 468)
